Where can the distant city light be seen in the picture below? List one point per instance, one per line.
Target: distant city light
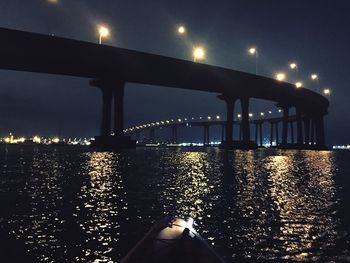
(181, 30)
(103, 33)
(280, 76)
(298, 84)
(56, 140)
(198, 54)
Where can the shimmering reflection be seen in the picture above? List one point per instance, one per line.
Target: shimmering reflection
(189, 187)
(254, 206)
(102, 202)
(304, 196)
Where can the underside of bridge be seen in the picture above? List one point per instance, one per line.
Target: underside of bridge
(110, 68)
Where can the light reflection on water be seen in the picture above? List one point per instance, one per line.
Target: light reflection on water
(268, 205)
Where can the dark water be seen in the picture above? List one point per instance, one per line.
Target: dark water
(71, 205)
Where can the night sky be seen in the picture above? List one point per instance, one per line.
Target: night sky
(315, 34)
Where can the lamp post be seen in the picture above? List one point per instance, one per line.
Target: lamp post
(103, 33)
(315, 77)
(253, 51)
(280, 76)
(198, 54)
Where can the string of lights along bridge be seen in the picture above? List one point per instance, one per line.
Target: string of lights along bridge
(199, 53)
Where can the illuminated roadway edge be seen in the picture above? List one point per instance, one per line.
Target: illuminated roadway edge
(25, 51)
(199, 123)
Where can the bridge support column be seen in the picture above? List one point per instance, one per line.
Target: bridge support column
(307, 130)
(320, 135)
(137, 136)
(206, 139)
(291, 123)
(119, 110)
(230, 104)
(106, 112)
(300, 136)
(174, 134)
(152, 135)
(285, 126)
(271, 133)
(261, 135)
(256, 133)
(312, 136)
(247, 144)
(277, 134)
(223, 133)
(110, 87)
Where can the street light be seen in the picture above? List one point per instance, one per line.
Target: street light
(181, 30)
(327, 92)
(254, 52)
(103, 32)
(298, 84)
(315, 77)
(198, 54)
(293, 66)
(280, 76)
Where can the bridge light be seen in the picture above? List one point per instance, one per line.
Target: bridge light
(53, 1)
(252, 51)
(280, 76)
(270, 112)
(250, 115)
(327, 92)
(279, 110)
(298, 84)
(209, 118)
(181, 30)
(262, 114)
(198, 54)
(239, 116)
(218, 117)
(179, 120)
(293, 65)
(314, 76)
(103, 33)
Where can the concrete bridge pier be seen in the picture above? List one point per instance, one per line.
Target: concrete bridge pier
(285, 126)
(112, 88)
(206, 138)
(174, 134)
(307, 130)
(230, 104)
(300, 137)
(271, 133)
(152, 135)
(320, 134)
(246, 143)
(261, 134)
(223, 133)
(291, 123)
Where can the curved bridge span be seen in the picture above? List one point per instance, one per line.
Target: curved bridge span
(110, 68)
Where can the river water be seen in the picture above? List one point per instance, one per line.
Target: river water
(74, 205)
